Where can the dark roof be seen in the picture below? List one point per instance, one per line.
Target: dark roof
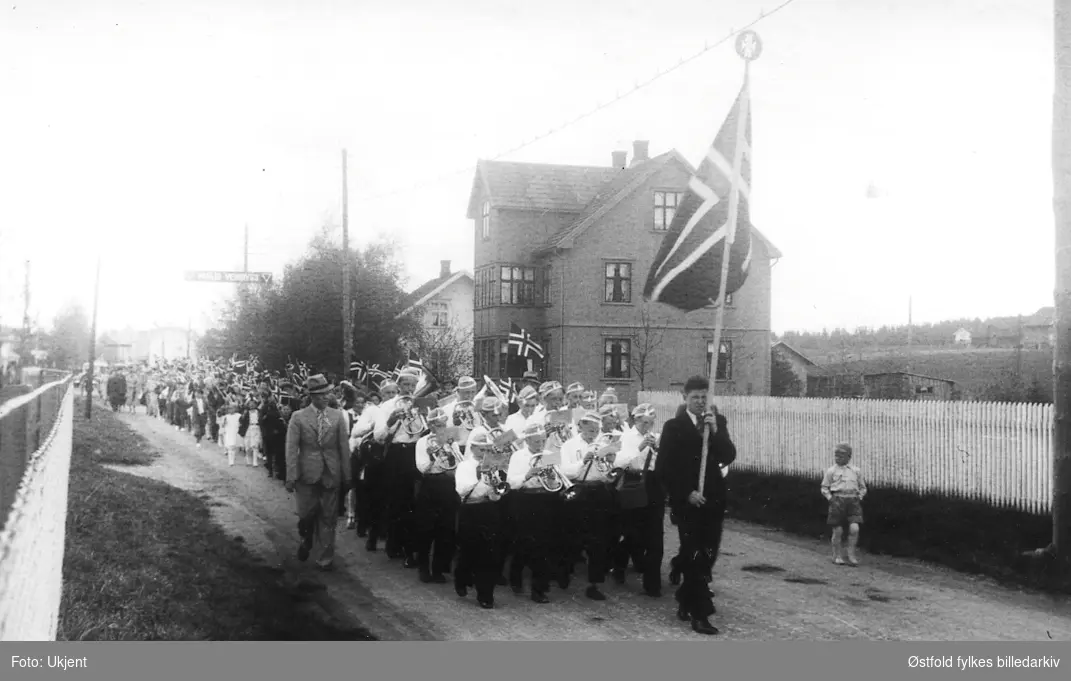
(537, 186)
(908, 373)
(795, 352)
(428, 288)
(620, 185)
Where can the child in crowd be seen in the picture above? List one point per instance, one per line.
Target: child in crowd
(843, 487)
(229, 431)
(253, 440)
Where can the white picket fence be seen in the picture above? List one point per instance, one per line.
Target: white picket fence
(997, 453)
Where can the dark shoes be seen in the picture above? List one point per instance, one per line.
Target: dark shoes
(619, 575)
(432, 577)
(653, 593)
(539, 597)
(594, 594)
(682, 614)
(488, 604)
(702, 625)
(502, 581)
(517, 588)
(675, 577)
(370, 545)
(563, 581)
(410, 562)
(461, 590)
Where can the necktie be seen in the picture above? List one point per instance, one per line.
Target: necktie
(321, 422)
(699, 424)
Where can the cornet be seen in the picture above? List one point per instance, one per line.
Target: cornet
(412, 423)
(603, 463)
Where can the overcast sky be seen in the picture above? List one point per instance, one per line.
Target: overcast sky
(152, 136)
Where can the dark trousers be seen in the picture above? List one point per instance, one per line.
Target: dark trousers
(400, 479)
(594, 509)
(434, 522)
(213, 425)
(642, 540)
(533, 521)
(372, 499)
(700, 536)
(479, 528)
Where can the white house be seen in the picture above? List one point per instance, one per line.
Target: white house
(446, 303)
(962, 337)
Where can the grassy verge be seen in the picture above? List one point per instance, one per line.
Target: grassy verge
(963, 535)
(144, 561)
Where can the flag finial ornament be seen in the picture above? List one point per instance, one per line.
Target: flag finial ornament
(748, 45)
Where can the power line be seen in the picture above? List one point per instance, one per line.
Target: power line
(599, 107)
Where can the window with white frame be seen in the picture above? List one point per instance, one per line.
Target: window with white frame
(665, 207)
(485, 220)
(617, 353)
(438, 314)
(725, 360)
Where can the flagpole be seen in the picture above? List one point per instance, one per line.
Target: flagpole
(747, 54)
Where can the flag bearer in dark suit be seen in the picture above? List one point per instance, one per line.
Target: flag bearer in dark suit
(479, 525)
(317, 469)
(699, 514)
(436, 505)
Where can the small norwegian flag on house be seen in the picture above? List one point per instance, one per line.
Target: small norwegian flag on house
(521, 343)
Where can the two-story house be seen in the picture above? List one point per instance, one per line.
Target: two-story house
(446, 306)
(564, 252)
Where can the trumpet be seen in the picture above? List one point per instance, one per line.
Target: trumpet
(603, 464)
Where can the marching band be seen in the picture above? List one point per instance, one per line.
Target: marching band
(492, 485)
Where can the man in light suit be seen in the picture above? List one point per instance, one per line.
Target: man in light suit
(318, 469)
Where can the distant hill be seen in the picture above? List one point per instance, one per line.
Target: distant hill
(979, 373)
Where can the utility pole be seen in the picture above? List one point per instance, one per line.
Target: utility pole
(92, 347)
(347, 323)
(25, 316)
(1061, 180)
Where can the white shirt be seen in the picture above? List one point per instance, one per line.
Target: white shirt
(633, 454)
(425, 463)
(382, 430)
(450, 409)
(468, 483)
(573, 465)
(366, 423)
(519, 465)
(517, 422)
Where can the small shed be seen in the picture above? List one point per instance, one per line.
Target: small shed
(903, 385)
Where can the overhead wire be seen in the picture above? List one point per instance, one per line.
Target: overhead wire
(733, 32)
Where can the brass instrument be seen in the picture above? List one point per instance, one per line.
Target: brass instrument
(603, 463)
(412, 423)
(495, 478)
(467, 413)
(550, 477)
(442, 454)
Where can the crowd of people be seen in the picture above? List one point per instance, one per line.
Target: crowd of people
(486, 483)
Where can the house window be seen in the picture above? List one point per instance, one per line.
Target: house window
(517, 285)
(665, 207)
(725, 360)
(618, 282)
(438, 315)
(616, 354)
(485, 220)
(546, 286)
(485, 286)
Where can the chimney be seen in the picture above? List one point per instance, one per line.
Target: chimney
(620, 160)
(444, 268)
(639, 151)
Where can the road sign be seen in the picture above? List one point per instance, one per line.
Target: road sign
(230, 277)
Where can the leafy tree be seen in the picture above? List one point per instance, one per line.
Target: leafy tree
(646, 339)
(68, 344)
(783, 380)
(300, 316)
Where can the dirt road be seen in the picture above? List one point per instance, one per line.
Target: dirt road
(770, 585)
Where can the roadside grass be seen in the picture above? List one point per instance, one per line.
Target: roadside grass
(966, 536)
(144, 561)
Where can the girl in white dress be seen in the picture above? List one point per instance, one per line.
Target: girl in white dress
(252, 434)
(229, 431)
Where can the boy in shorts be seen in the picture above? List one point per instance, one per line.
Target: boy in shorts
(843, 487)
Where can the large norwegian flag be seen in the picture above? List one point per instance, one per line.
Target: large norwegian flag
(686, 274)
